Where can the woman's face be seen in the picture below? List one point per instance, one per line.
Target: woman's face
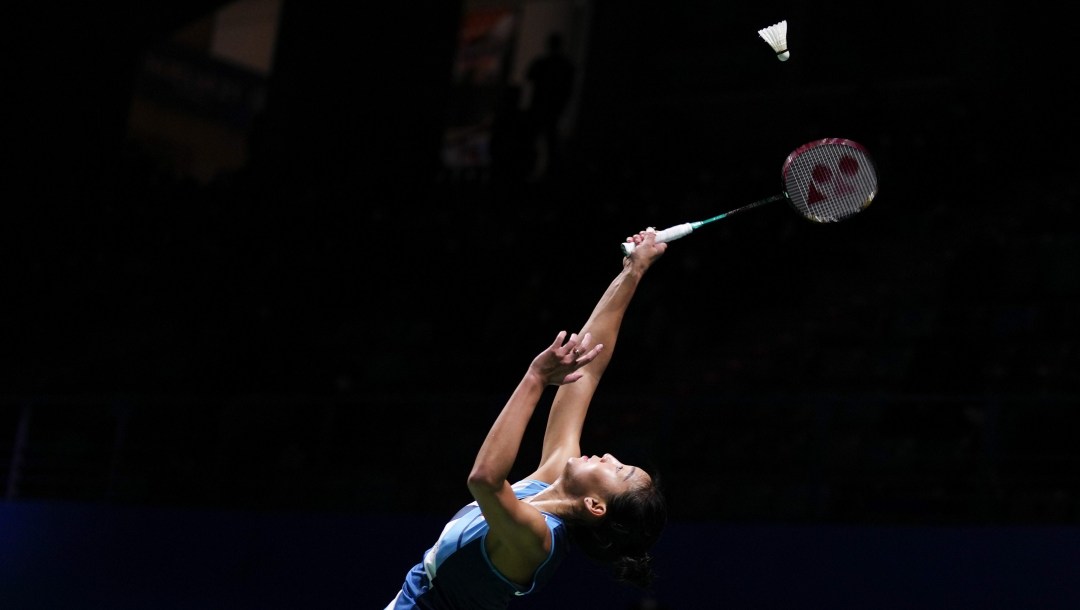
(603, 475)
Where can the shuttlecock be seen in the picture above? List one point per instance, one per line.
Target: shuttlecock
(776, 36)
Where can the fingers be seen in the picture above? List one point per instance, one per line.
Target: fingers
(572, 344)
(582, 343)
(576, 344)
(590, 355)
(561, 361)
(564, 346)
(579, 361)
(641, 236)
(557, 343)
(577, 349)
(646, 239)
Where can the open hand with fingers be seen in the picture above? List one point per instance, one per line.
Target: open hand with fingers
(558, 364)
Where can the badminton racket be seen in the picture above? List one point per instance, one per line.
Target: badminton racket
(826, 180)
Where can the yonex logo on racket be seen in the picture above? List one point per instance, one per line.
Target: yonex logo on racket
(838, 183)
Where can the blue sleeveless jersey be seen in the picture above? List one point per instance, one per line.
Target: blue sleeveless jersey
(456, 573)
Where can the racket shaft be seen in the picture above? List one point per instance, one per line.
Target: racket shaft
(668, 234)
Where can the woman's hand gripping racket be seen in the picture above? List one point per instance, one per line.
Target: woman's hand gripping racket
(827, 180)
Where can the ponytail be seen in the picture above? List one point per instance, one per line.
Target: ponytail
(622, 539)
(636, 571)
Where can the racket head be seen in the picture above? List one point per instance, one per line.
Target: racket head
(830, 179)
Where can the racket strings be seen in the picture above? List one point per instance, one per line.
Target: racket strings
(831, 182)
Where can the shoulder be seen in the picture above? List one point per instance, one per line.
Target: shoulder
(528, 487)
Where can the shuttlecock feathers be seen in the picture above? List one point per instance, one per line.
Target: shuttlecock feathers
(776, 36)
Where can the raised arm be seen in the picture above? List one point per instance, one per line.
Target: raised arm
(559, 364)
(518, 532)
(562, 436)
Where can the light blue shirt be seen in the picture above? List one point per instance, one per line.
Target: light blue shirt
(456, 573)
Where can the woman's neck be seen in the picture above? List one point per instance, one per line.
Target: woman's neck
(553, 500)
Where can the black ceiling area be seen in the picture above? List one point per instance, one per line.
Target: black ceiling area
(914, 364)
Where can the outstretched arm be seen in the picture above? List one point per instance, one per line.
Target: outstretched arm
(562, 437)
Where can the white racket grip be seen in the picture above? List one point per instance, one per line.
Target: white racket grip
(668, 234)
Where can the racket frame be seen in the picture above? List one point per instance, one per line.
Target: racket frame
(679, 231)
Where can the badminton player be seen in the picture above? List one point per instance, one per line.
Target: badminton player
(510, 540)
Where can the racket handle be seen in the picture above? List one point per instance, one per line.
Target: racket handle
(668, 234)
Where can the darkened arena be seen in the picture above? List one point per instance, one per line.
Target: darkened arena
(285, 283)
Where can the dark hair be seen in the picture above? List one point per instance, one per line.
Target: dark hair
(631, 525)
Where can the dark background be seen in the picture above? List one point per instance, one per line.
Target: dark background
(334, 327)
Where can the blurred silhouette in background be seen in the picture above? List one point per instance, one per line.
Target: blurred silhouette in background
(552, 78)
(513, 154)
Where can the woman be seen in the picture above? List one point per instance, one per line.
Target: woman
(510, 540)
